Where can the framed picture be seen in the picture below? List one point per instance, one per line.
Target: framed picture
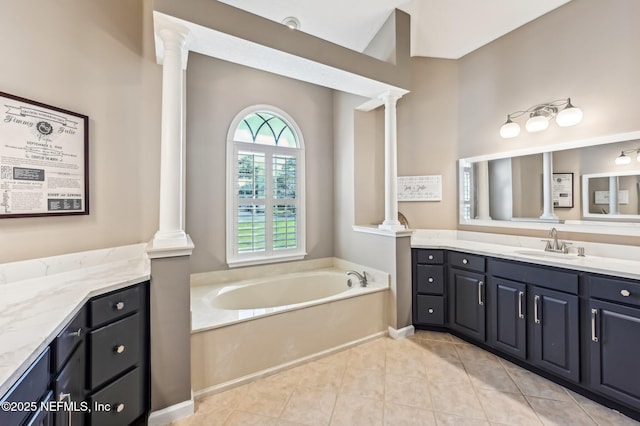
(562, 189)
(44, 159)
(420, 188)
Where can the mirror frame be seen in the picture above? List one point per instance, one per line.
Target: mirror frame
(615, 227)
(586, 196)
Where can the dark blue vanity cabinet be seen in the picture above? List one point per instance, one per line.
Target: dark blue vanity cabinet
(96, 370)
(466, 294)
(579, 329)
(428, 274)
(613, 331)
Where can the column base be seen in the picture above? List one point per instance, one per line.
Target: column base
(170, 245)
(549, 216)
(391, 225)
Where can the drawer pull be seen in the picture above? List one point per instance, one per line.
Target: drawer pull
(480, 301)
(520, 296)
(119, 349)
(536, 315)
(430, 279)
(594, 313)
(430, 257)
(625, 293)
(119, 306)
(430, 310)
(77, 333)
(67, 396)
(120, 408)
(465, 261)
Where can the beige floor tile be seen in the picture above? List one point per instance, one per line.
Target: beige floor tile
(470, 353)
(287, 379)
(397, 415)
(357, 411)
(566, 413)
(507, 408)
(226, 399)
(602, 415)
(434, 351)
(446, 419)
(407, 364)
(264, 399)
(405, 390)
(339, 358)
(288, 423)
(322, 376)
(448, 373)
(456, 339)
(214, 417)
(240, 418)
(309, 406)
(369, 357)
(432, 335)
(364, 383)
(485, 375)
(531, 384)
(458, 399)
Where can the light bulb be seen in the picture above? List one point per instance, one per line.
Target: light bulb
(537, 123)
(509, 129)
(570, 116)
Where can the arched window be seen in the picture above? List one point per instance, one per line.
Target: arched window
(265, 188)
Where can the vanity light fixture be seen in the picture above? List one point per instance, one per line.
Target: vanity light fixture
(623, 158)
(292, 22)
(539, 116)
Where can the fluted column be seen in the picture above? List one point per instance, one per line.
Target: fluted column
(171, 232)
(613, 194)
(391, 221)
(547, 186)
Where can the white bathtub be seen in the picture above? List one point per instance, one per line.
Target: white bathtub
(251, 322)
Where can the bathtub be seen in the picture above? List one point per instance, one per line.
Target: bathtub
(254, 321)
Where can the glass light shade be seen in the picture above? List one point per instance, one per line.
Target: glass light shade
(623, 159)
(638, 156)
(537, 123)
(509, 130)
(570, 116)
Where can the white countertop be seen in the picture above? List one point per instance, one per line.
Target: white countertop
(622, 261)
(38, 297)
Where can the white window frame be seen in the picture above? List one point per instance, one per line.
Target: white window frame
(235, 259)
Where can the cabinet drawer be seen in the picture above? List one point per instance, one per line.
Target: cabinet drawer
(430, 279)
(68, 339)
(115, 305)
(466, 261)
(31, 387)
(121, 402)
(430, 257)
(430, 310)
(614, 289)
(114, 348)
(548, 277)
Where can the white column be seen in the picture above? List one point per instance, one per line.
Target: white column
(483, 190)
(547, 186)
(391, 221)
(171, 232)
(613, 194)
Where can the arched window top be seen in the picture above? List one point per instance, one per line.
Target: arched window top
(266, 128)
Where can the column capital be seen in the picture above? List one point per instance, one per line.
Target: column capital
(391, 96)
(173, 36)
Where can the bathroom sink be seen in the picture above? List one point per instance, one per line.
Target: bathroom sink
(547, 254)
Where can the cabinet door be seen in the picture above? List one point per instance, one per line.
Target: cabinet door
(466, 303)
(615, 351)
(507, 310)
(69, 388)
(555, 338)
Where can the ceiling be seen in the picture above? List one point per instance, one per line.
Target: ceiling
(439, 28)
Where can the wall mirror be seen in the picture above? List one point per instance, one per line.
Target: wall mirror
(508, 189)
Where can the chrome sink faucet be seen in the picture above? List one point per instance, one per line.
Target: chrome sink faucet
(554, 245)
(362, 278)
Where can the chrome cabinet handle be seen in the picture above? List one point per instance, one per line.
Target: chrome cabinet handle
(76, 333)
(520, 296)
(67, 396)
(119, 349)
(594, 313)
(480, 284)
(625, 293)
(536, 315)
(119, 306)
(465, 261)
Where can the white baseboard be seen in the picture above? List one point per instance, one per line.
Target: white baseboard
(401, 333)
(172, 413)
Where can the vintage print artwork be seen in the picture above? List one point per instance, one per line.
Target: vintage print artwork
(43, 159)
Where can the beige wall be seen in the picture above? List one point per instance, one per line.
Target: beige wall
(94, 58)
(216, 92)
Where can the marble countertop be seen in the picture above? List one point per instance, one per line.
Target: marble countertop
(38, 297)
(622, 261)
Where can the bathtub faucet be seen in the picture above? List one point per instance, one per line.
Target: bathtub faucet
(362, 278)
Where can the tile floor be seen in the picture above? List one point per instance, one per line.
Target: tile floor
(427, 379)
